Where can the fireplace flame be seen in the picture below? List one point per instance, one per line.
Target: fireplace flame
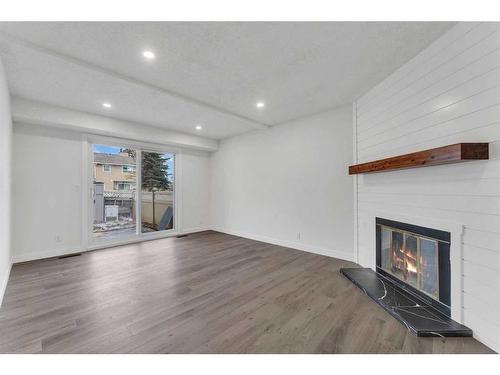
(411, 267)
(409, 260)
(410, 255)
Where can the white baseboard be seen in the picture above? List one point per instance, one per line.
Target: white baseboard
(19, 258)
(292, 244)
(4, 281)
(60, 252)
(194, 230)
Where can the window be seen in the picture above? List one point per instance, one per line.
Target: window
(157, 191)
(128, 169)
(131, 205)
(124, 185)
(114, 203)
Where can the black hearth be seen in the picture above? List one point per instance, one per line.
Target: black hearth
(413, 278)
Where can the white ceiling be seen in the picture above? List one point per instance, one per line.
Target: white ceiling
(206, 73)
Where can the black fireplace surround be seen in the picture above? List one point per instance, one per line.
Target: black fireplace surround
(412, 281)
(442, 238)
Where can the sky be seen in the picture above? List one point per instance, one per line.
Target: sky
(116, 150)
(106, 149)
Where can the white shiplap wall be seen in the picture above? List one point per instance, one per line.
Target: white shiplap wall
(448, 93)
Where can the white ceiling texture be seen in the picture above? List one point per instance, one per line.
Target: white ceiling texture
(206, 73)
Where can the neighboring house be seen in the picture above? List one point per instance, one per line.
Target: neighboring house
(114, 198)
(114, 180)
(116, 171)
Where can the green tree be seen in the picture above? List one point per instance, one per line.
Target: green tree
(129, 151)
(154, 171)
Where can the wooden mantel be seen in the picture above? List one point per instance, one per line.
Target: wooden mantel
(455, 153)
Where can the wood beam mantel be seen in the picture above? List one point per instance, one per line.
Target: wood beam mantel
(455, 153)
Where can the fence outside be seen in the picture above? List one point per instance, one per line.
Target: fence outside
(123, 203)
(163, 199)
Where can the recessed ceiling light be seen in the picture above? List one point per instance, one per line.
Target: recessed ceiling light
(260, 104)
(148, 55)
(107, 105)
(198, 127)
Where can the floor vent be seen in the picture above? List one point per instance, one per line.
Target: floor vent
(69, 256)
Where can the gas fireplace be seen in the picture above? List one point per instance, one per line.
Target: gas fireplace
(417, 259)
(412, 278)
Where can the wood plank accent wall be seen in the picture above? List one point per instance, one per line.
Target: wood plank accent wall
(449, 93)
(456, 153)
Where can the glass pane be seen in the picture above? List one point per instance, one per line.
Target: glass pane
(397, 256)
(114, 192)
(157, 191)
(386, 251)
(429, 262)
(410, 260)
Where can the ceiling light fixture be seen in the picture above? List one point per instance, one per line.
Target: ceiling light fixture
(107, 105)
(260, 104)
(198, 127)
(149, 55)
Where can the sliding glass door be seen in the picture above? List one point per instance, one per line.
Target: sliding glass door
(132, 192)
(114, 190)
(157, 191)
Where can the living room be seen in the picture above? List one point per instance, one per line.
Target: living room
(250, 187)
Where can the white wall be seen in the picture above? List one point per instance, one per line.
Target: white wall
(47, 191)
(272, 184)
(5, 181)
(195, 189)
(448, 93)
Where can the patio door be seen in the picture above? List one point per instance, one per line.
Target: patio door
(157, 191)
(132, 192)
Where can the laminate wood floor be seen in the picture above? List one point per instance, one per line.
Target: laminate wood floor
(205, 293)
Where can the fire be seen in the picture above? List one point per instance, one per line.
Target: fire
(409, 255)
(404, 260)
(411, 267)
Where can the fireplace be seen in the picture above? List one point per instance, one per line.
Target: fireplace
(412, 277)
(417, 259)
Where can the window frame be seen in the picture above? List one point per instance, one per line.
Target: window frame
(130, 183)
(128, 168)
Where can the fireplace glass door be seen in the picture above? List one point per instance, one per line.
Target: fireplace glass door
(412, 259)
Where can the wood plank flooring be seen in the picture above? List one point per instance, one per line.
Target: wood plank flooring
(205, 293)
